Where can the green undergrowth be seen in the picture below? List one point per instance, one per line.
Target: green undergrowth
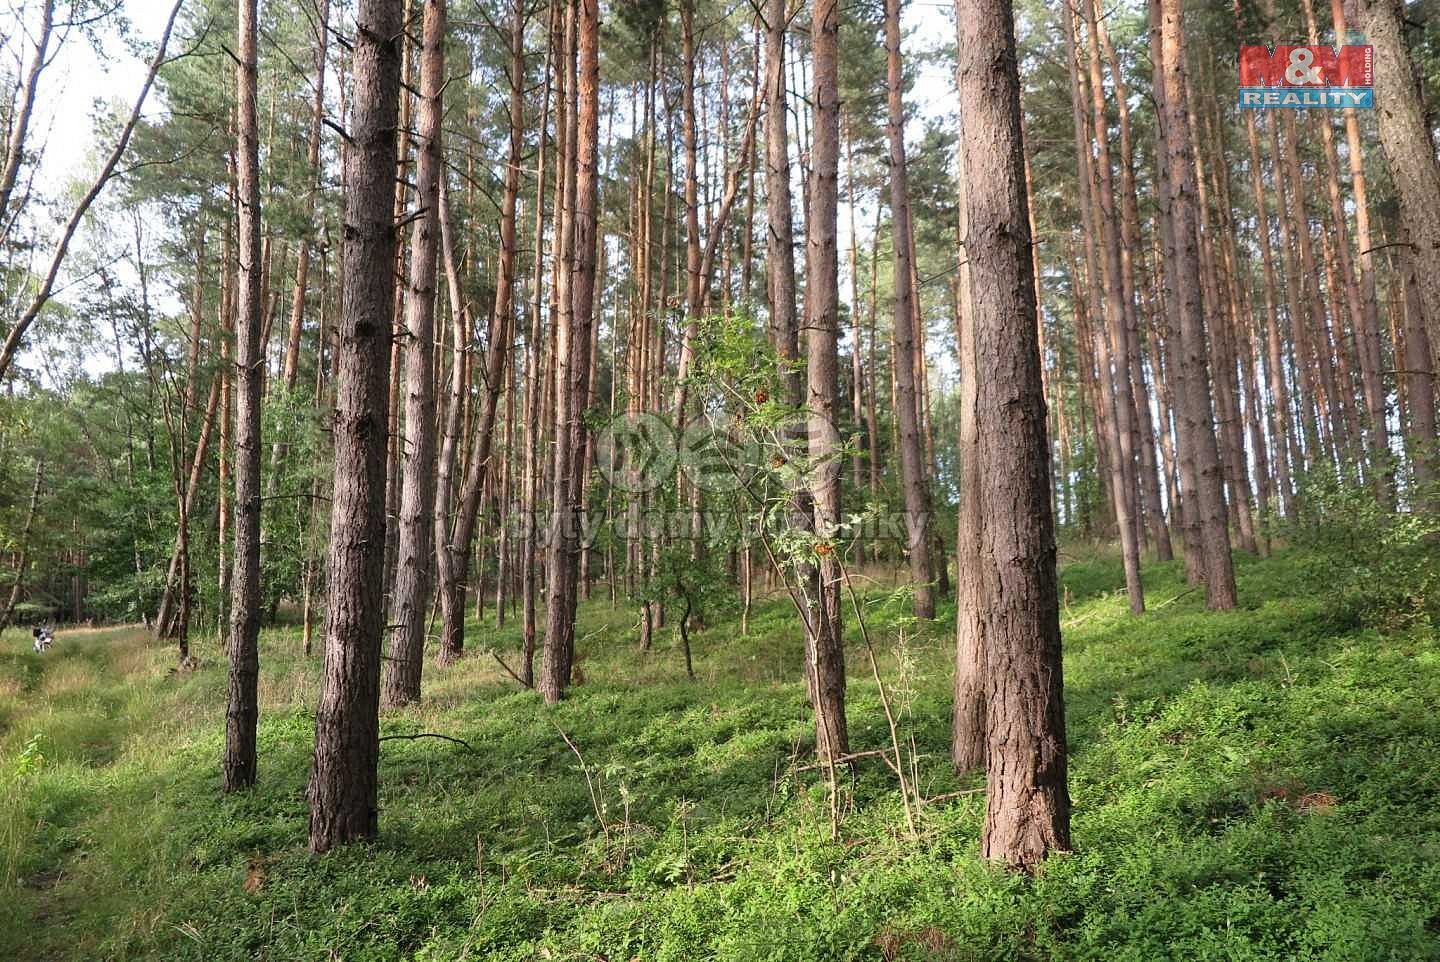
(1260, 784)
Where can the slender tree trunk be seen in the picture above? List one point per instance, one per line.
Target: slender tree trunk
(534, 395)
(1310, 439)
(456, 544)
(1215, 237)
(165, 626)
(912, 463)
(393, 456)
(1280, 424)
(22, 561)
(1027, 798)
(857, 378)
(343, 784)
(227, 405)
(242, 711)
(1420, 393)
(411, 597)
(1131, 248)
(1205, 500)
(21, 108)
(1368, 334)
(572, 378)
(1313, 317)
(967, 729)
(1106, 300)
(826, 650)
(780, 253)
(290, 370)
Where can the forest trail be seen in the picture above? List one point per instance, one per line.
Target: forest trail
(1253, 779)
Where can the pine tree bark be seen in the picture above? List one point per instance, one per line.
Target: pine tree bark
(1368, 344)
(1419, 381)
(967, 724)
(242, 706)
(1405, 135)
(825, 654)
(1027, 797)
(1102, 244)
(566, 523)
(1131, 248)
(411, 597)
(912, 462)
(1205, 499)
(780, 239)
(1280, 423)
(344, 780)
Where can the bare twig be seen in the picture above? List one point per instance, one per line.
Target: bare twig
(417, 735)
(589, 782)
(501, 661)
(884, 696)
(1188, 591)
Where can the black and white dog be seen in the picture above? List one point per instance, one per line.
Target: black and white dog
(44, 638)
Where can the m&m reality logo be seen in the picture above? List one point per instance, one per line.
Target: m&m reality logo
(1307, 75)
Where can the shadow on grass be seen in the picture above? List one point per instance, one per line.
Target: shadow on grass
(1252, 785)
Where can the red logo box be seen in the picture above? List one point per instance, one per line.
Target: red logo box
(1307, 65)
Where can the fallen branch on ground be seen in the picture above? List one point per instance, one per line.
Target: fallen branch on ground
(408, 738)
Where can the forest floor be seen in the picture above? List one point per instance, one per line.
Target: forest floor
(1260, 784)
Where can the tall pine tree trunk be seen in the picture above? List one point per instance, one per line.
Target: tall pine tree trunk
(571, 392)
(825, 654)
(242, 707)
(1205, 499)
(1405, 134)
(411, 599)
(1027, 798)
(967, 727)
(344, 780)
(912, 461)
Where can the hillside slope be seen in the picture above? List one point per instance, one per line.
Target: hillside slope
(1254, 785)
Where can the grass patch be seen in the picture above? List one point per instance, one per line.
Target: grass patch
(1258, 784)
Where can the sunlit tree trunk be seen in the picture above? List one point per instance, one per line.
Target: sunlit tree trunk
(1368, 341)
(967, 724)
